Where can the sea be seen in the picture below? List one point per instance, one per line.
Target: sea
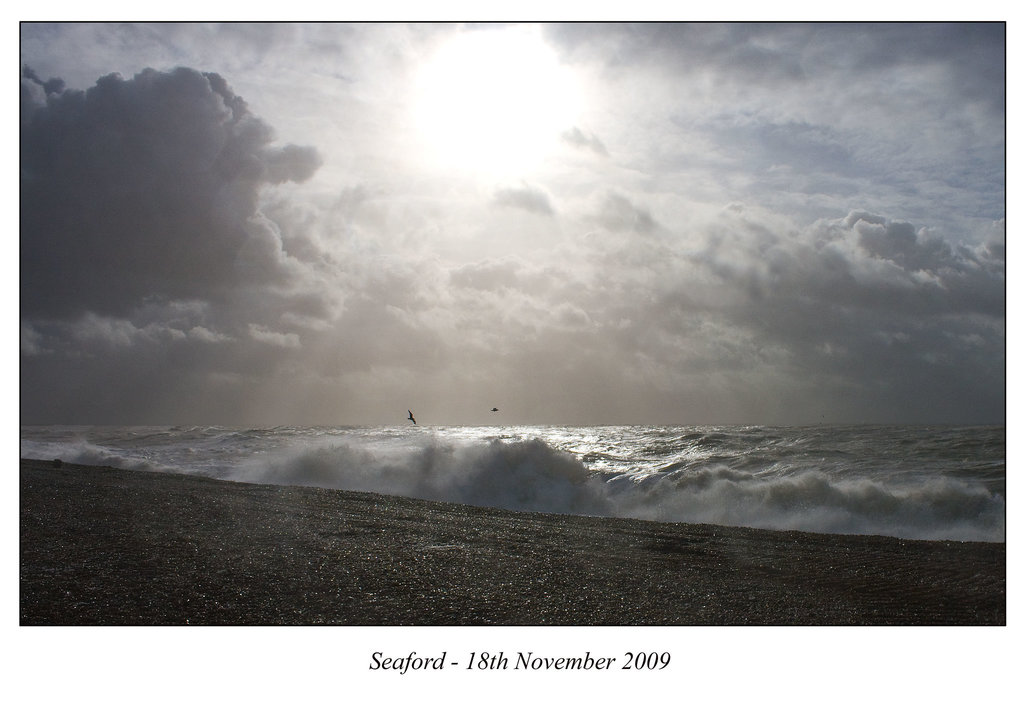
(914, 482)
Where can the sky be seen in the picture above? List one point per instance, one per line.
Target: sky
(654, 223)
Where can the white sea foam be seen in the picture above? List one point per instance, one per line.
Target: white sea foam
(909, 482)
(521, 475)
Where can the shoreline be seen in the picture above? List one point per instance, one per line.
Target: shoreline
(104, 546)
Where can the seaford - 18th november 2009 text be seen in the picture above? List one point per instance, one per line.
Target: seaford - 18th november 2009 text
(528, 660)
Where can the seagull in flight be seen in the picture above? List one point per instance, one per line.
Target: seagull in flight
(411, 418)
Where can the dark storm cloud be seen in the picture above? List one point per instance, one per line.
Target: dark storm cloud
(54, 85)
(147, 188)
(888, 271)
(148, 265)
(874, 307)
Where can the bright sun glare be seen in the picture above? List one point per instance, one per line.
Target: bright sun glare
(494, 101)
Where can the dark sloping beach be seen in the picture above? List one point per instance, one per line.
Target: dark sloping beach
(106, 546)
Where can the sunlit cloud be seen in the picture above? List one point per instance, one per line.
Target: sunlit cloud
(610, 223)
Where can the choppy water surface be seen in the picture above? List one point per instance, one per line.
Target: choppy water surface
(912, 482)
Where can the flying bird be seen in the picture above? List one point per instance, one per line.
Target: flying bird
(494, 409)
(411, 418)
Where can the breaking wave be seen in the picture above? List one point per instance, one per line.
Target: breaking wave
(945, 485)
(526, 475)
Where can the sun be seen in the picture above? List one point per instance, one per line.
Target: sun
(494, 101)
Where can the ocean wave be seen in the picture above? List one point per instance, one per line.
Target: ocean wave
(908, 482)
(532, 475)
(520, 475)
(936, 508)
(82, 451)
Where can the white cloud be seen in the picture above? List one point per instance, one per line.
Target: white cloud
(207, 336)
(274, 338)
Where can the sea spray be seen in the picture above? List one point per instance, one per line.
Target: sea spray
(912, 482)
(520, 475)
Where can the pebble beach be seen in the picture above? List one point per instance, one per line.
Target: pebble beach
(106, 546)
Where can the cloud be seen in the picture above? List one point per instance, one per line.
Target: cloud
(146, 250)
(589, 142)
(795, 220)
(31, 341)
(526, 197)
(268, 336)
(618, 213)
(488, 275)
(54, 85)
(915, 268)
(207, 335)
(811, 119)
(751, 316)
(145, 188)
(291, 163)
(865, 303)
